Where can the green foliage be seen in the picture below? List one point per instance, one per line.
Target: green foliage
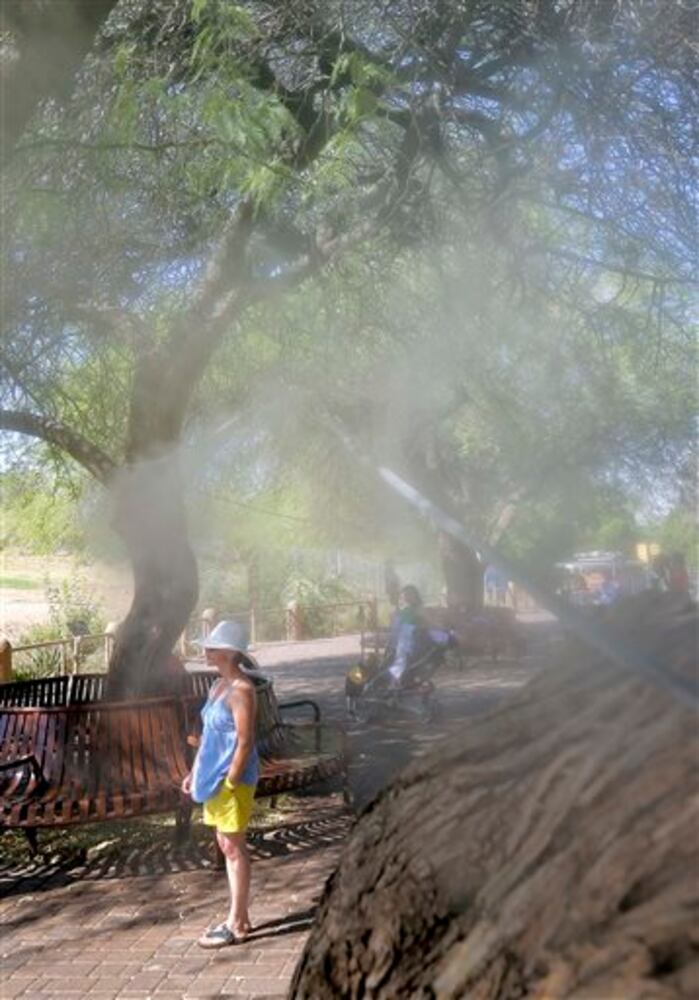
(551, 529)
(18, 583)
(313, 596)
(326, 590)
(47, 661)
(73, 609)
(618, 532)
(223, 589)
(359, 103)
(230, 22)
(38, 518)
(44, 662)
(361, 71)
(679, 532)
(514, 330)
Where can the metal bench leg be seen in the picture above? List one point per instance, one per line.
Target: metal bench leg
(347, 795)
(32, 839)
(183, 818)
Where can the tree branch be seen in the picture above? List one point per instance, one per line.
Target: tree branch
(92, 458)
(630, 272)
(506, 515)
(164, 380)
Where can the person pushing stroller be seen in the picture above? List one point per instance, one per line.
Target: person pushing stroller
(402, 681)
(410, 634)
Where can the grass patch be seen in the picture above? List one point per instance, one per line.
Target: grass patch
(18, 583)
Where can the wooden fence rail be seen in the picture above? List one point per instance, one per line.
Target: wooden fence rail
(292, 622)
(72, 651)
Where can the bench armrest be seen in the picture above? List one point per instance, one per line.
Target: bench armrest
(21, 777)
(324, 736)
(302, 703)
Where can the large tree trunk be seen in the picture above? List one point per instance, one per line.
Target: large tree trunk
(463, 574)
(550, 851)
(151, 519)
(461, 568)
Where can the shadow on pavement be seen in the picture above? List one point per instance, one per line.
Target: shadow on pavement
(292, 923)
(327, 827)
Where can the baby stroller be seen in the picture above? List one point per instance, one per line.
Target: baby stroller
(373, 692)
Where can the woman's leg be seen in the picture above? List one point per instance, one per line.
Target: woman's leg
(238, 871)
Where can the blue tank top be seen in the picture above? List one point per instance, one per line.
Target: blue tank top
(218, 742)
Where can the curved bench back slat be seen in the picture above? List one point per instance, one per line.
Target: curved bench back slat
(80, 689)
(98, 761)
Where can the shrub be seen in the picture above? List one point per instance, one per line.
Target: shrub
(72, 612)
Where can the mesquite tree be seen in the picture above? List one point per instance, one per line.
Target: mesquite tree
(545, 851)
(214, 156)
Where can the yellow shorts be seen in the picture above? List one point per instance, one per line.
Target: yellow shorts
(230, 809)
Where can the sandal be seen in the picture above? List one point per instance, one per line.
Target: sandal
(217, 937)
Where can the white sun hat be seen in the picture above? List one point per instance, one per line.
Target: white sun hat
(226, 635)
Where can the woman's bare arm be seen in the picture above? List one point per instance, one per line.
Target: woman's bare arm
(242, 704)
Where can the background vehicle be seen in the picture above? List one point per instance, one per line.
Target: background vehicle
(585, 573)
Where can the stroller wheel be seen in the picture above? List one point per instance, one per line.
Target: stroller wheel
(363, 711)
(436, 711)
(428, 710)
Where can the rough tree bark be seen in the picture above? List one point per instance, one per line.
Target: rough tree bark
(462, 570)
(463, 574)
(550, 851)
(149, 512)
(150, 518)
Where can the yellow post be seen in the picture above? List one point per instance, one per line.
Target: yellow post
(5, 661)
(77, 653)
(208, 620)
(373, 604)
(110, 631)
(182, 644)
(647, 551)
(253, 626)
(293, 621)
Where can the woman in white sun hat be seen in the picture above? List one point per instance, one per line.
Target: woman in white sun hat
(226, 770)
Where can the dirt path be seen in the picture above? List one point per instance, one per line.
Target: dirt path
(105, 585)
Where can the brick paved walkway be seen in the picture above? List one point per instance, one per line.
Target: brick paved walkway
(123, 923)
(102, 930)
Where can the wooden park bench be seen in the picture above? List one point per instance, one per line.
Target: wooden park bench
(88, 761)
(81, 763)
(44, 692)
